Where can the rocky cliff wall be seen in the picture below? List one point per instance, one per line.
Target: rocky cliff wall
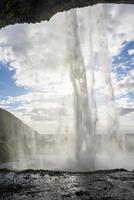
(17, 140)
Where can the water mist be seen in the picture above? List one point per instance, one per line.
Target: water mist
(79, 143)
(91, 154)
(84, 125)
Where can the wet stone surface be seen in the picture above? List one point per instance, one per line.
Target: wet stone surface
(50, 185)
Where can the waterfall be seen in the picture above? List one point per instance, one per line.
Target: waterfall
(83, 119)
(105, 68)
(112, 142)
(88, 136)
(82, 76)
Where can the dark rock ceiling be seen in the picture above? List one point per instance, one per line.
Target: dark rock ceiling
(31, 11)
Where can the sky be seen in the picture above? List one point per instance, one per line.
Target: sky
(34, 77)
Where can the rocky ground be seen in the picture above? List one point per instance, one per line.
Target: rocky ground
(51, 185)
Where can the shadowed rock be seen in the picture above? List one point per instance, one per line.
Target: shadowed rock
(52, 185)
(31, 11)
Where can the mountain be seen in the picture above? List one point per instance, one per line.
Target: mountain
(17, 140)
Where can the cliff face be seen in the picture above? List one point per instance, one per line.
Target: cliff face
(17, 140)
(31, 11)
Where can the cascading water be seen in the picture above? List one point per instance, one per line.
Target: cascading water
(83, 120)
(84, 93)
(105, 67)
(80, 142)
(112, 140)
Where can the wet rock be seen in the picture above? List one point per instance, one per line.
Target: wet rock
(53, 185)
(81, 193)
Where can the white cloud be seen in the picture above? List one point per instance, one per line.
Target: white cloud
(125, 85)
(37, 53)
(131, 52)
(120, 26)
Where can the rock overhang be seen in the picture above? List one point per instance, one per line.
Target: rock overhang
(32, 11)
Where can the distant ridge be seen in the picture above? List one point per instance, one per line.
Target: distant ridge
(16, 138)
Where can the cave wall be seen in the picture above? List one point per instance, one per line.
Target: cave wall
(32, 11)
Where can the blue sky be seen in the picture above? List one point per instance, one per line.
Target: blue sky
(123, 62)
(8, 85)
(122, 65)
